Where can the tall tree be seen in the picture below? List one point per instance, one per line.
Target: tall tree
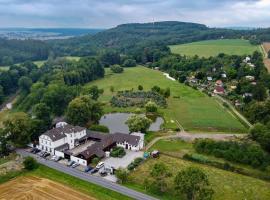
(193, 183)
(138, 123)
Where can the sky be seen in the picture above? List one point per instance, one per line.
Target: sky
(106, 14)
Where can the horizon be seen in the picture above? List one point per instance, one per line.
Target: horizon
(103, 15)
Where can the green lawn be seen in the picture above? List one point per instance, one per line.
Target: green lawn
(227, 185)
(194, 110)
(214, 47)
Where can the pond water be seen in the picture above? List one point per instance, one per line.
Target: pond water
(116, 122)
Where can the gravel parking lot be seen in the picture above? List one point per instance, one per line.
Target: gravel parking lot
(123, 162)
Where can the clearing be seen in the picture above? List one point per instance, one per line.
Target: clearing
(227, 185)
(214, 47)
(38, 188)
(191, 108)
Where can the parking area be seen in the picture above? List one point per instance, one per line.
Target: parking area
(123, 162)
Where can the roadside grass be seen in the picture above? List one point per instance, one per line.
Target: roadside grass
(227, 185)
(87, 188)
(192, 109)
(214, 47)
(150, 135)
(7, 158)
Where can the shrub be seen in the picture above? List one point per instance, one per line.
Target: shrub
(95, 160)
(129, 63)
(99, 128)
(30, 163)
(135, 163)
(117, 69)
(118, 152)
(122, 175)
(140, 87)
(151, 107)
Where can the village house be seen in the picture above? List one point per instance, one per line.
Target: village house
(250, 78)
(219, 83)
(80, 145)
(219, 90)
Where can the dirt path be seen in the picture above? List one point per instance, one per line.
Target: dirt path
(34, 188)
(234, 110)
(192, 136)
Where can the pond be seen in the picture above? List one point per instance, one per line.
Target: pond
(116, 122)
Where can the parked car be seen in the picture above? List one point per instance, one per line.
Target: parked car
(93, 171)
(88, 169)
(41, 153)
(103, 173)
(57, 158)
(100, 165)
(70, 163)
(35, 150)
(45, 155)
(75, 165)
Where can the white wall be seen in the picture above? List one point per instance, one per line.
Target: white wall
(79, 160)
(59, 153)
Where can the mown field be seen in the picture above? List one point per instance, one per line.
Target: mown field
(266, 47)
(227, 185)
(214, 47)
(47, 183)
(193, 109)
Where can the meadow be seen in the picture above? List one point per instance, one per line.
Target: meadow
(214, 47)
(191, 108)
(227, 185)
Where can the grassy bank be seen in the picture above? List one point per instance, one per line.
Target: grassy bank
(227, 185)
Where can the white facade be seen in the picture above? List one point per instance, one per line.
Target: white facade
(78, 160)
(131, 147)
(47, 144)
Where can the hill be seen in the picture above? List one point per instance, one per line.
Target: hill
(214, 47)
(193, 109)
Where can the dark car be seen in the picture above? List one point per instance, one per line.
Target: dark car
(88, 169)
(70, 163)
(93, 171)
(45, 155)
(103, 173)
(35, 150)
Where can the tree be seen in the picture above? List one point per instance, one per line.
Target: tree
(116, 69)
(167, 93)
(82, 110)
(159, 173)
(42, 111)
(2, 95)
(151, 107)
(4, 151)
(259, 92)
(129, 63)
(122, 175)
(110, 57)
(19, 128)
(261, 134)
(140, 87)
(94, 92)
(30, 163)
(25, 83)
(138, 123)
(269, 54)
(193, 183)
(112, 89)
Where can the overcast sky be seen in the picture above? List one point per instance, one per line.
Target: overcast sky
(104, 13)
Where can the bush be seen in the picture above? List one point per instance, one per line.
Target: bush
(151, 107)
(135, 163)
(30, 163)
(129, 63)
(122, 175)
(240, 152)
(95, 160)
(117, 69)
(118, 152)
(100, 128)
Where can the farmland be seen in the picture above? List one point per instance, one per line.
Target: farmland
(214, 47)
(266, 47)
(191, 108)
(38, 188)
(227, 185)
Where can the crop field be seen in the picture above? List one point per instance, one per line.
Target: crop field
(25, 188)
(266, 47)
(191, 108)
(214, 47)
(227, 185)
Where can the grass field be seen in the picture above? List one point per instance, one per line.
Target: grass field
(266, 48)
(214, 47)
(227, 185)
(194, 110)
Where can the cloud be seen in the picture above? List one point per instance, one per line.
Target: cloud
(105, 13)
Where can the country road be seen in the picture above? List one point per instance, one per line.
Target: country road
(89, 178)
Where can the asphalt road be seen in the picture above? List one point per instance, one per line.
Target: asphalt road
(89, 178)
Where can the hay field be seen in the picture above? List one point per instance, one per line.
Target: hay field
(34, 188)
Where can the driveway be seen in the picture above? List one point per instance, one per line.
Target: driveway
(125, 161)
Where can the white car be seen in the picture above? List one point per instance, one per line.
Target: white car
(100, 165)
